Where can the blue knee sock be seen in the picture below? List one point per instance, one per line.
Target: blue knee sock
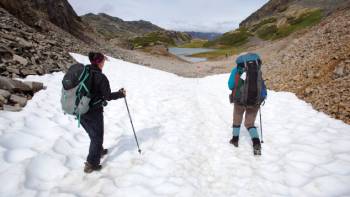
(253, 132)
(236, 130)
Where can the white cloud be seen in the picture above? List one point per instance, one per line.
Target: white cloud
(182, 15)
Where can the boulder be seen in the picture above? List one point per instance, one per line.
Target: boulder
(15, 108)
(13, 70)
(22, 101)
(20, 59)
(13, 85)
(24, 43)
(27, 71)
(339, 70)
(3, 100)
(35, 86)
(5, 93)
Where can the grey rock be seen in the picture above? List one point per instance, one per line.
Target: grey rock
(24, 43)
(20, 59)
(13, 85)
(15, 108)
(5, 93)
(3, 100)
(27, 72)
(22, 101)
(339, 70)
(13, 70)
(35, 86)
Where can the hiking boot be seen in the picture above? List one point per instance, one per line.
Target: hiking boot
(234, 141)
(104, 152)
(256, 146)
(90, 168)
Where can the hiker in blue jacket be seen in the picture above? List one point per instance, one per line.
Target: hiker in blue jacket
(248, 92)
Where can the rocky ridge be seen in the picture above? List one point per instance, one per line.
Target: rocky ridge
(43, 14)
(114, 27)
(282, 9)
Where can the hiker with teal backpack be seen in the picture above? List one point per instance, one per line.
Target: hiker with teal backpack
(85, 92)
(248, 93)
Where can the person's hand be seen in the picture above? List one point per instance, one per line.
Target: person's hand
(123, 92)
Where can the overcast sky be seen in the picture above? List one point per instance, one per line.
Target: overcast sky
(181, 15)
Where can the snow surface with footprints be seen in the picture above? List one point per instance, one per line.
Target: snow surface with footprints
(183, 126)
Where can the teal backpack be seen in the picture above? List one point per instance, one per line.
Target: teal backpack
(250, 89)
(75, 97)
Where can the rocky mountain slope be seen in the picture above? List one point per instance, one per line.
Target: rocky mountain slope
(113, 27)
(133, 34)
(25, 51)
(316, 66)
(44, 14)
(282, 9)
(277, 19)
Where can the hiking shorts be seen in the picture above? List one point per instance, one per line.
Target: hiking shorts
(250, 115)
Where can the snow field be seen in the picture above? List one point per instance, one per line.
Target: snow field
(183, 126)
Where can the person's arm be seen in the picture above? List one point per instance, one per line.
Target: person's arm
(107, 94)
(231, 81)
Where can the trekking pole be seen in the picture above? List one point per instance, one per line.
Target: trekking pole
(262, 140)
(133, 129)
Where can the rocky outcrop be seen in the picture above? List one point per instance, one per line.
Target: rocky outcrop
(14, 94)
(269, 9)
(316, 66)
(41, 14)
(24, 51)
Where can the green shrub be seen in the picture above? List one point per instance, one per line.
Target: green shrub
(305, 20)
(262, 23)
(230, 39)
(152, 39)
(267, 32)
(194, 44)
(271, 32)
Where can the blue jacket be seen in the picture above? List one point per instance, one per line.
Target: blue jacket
(231, 83)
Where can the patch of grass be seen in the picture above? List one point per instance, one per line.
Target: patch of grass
(305, 20)
(230, 39)
(267, 32)
(196, 43)
(262, 23)
(152, 39)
